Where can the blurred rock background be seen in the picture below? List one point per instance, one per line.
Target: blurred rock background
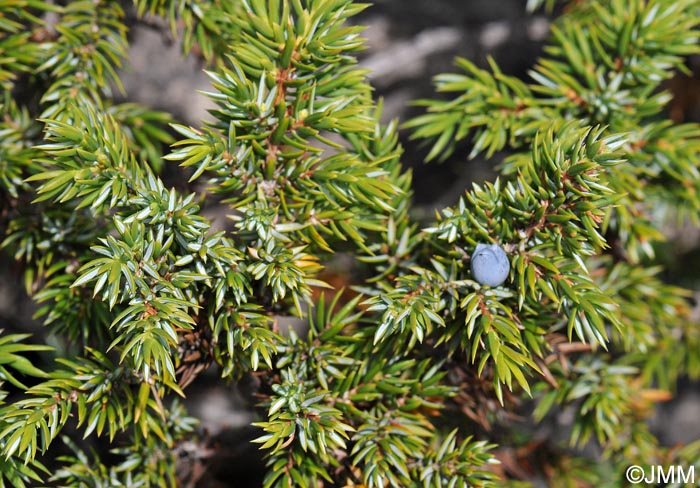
(409, 41)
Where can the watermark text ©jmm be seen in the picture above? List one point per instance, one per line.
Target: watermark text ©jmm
(658, 474)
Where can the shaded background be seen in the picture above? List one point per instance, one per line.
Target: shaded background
(409, 41)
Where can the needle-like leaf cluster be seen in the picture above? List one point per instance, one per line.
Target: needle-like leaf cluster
(413, 377)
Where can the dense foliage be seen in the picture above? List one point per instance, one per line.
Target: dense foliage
(413, 380)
